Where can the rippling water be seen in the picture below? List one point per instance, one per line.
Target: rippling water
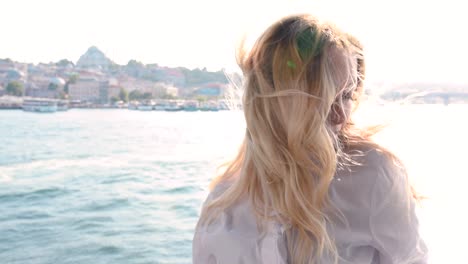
(119, 186)
(101, 186)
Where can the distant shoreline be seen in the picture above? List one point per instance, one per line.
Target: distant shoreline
(19, 108)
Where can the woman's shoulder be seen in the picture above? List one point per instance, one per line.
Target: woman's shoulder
(218, 188)
(389, 174)
(376, 170)
(373, 156)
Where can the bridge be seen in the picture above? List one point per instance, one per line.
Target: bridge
(446, 97)
(431, 96)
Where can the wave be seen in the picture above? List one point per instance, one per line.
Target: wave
(5, 178)
(105, 162)
(106, 205)
(46, 193)
(182, 189)
(58, 164)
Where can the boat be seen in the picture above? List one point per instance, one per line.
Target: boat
(133, 105)
(173, 107)
(159, 107)
(40, 105)
(62, 106)
(146, 106)
(119, 105)
(209, 106)
(190, 106)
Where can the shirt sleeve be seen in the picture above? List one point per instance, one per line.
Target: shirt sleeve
(393, 222)
(234, 238)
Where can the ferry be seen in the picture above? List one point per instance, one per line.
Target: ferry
(40, 105)
(209, 106)
(190, 106)
(159, 107)
(133, 105)
(173, 107)
(144, 107)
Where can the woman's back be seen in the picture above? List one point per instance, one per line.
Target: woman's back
(370, 228)
(302, 175)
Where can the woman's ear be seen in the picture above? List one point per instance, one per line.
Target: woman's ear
(337, 115)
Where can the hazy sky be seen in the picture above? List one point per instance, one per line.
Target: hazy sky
(404, 39)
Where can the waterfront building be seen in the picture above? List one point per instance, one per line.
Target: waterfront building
(40, 92)
(143, 86)
(174, 76)
(113, 89)
(89, 90)
(173, 91)
(210, 90)
(44, 87)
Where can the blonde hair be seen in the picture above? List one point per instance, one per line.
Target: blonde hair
(296, 71)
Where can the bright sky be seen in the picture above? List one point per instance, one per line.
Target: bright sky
(404, 40)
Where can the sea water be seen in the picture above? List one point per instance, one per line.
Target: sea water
(121, 186)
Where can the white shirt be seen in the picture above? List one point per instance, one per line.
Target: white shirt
(373, 198)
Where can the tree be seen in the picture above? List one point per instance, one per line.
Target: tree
(53, 86)
(62, 95)
(71, 80)
(135, 63)
(15, 88)
(114, 99)
(123, 95)
(147, 96)
(201, 76)
(168, 96)
(64, 63)
(134, 95)
(201, 98)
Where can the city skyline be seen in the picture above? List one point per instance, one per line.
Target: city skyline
(412, 41)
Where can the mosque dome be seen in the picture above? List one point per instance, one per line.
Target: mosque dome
(58, 81)
(14, 74)
(94, 58)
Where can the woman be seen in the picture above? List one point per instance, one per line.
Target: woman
(306, 185)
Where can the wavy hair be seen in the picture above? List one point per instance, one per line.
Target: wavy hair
(295, 73)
